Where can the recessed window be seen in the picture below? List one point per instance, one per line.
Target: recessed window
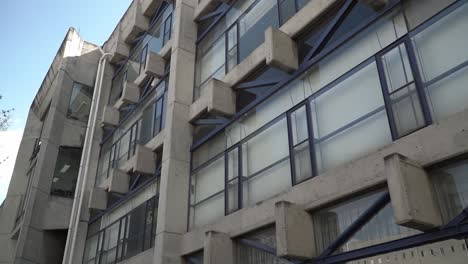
(80, 102)
(66, 171)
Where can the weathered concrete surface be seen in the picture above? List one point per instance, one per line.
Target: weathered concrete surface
(218, 249)
(217, 98)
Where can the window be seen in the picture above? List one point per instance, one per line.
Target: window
(80, 102)
(124, 238)
(450, 183)
(235, 36)
(246, 254)
(330, 222)
(194, 258)
(67, 167)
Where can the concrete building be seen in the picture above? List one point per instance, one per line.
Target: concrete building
(250, 131)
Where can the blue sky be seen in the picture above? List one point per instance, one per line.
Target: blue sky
(31, 32)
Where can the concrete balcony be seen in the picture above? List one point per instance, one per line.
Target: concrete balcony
(143, 161)
(117, 47)
(149, 7)
(280, 50)
(134, 22)
(118, 182)
(413, 201)
(110, 116)
(154, 67)
(217, 98)
(130, 95)
(98, 199)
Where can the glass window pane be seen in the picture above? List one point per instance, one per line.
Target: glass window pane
(287, 9)
(209, 61)
(441, 52)
(232, 195)
(80, 102)
(302, 162)
(451, 187)
(66, 172)
(299, 125)
(253, 24)
(397, 68)
(147, 124)
(266, 172)
(339, 122)
(407, 110)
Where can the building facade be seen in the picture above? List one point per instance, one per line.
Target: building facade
(250, 131)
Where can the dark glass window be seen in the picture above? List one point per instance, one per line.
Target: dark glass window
(66, 171)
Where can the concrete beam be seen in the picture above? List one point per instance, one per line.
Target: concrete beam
(280, 50)
(130, 95)
(294, 232)
(412, 199)
(218, 248)
(149, 7)
(217, 98)
(134, 23)
(204, 7)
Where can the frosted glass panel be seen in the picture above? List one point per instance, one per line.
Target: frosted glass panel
(451, 187)
(442, 57)
(208, 181)
(349, 120)
(208, 211)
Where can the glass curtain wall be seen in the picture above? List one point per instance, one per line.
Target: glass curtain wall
(131, 234)
(358, 98)
(121, 145)
(152, 41)
(237, 34)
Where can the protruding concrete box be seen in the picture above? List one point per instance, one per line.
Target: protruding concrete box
(217, 98)
(149, 7)
(280, 50)
(142, 162)
(118, 181)
(98, 199)
(130, 95)
(134, 22)
(218, 248)
(110, 116)
(117, 47)
(413, 202)
(294, 232)
(154, 67)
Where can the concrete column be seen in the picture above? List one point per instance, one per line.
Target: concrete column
(173, 197)
(413, 202)
(294, 232)
(218, 248)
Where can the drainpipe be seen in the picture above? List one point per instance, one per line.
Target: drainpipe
(84, 164)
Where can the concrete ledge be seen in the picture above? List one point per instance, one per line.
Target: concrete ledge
(218, 248)
(280, 50)
(130, 95)
(413, 201)
(98, 199)
(246, 67)
(117, 47)
(217, 98)
(143, 161)
(118, 181)
(57, 212)
(110, 116)
(294, 232)
(149, 7)
(156, 142)
(307, 16)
